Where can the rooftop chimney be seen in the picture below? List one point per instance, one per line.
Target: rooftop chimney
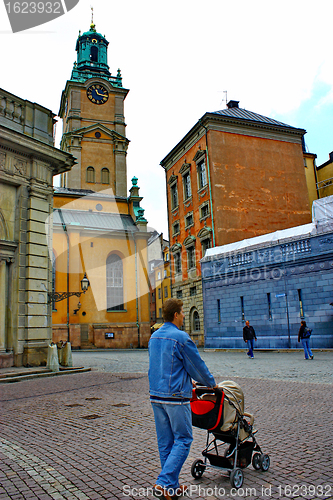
(233, 104)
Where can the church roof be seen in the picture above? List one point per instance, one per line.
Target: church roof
(106, 222)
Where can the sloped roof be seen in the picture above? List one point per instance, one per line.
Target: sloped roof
(261, 241)
(244, 114)
(95, 220)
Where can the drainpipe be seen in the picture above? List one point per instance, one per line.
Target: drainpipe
(136, 291)
(67, 237)
(316, 178)
(169, 234)
(209, 181)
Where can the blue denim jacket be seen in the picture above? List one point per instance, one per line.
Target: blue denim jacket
(173, 361)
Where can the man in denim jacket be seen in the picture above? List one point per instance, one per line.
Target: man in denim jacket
(174, 361)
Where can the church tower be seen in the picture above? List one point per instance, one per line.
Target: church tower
(92, 110)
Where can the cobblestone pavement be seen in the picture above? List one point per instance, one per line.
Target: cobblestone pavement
(91, 435)
(274, 365)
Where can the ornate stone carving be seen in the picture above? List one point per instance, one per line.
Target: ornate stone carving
(2, 160)
(20, 167)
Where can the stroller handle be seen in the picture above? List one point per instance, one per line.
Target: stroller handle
(201, 389)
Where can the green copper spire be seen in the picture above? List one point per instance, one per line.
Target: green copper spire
(92, 57)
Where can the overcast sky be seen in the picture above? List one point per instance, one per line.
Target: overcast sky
(177, 58)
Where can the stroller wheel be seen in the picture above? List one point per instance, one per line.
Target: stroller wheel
(264, 462)
(256, 461)
(236, 478)
(197, 469)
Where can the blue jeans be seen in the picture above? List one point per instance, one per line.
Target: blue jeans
(250, 343)
(174, 438)
(306, 347)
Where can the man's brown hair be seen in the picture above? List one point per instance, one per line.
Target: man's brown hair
(170, 307)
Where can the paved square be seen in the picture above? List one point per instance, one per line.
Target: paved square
(92, 436)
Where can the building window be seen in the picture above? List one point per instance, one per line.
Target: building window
(175, 228)
(160, 312)
(190, 257)
(196, 321)
(189, 220)
(94, 54)
(159, 275)
(166, 257)
(269, 306)
(193, 291)
(242, 308)
(218, 311)
(153, 298)
(53, 280)
(90, 174)
(202, 176)
(179, 294)
(165, 292)
(174, 196)
(114, 283)
(187, 185)
(105, 176)
(301, 309)
(178, 263)
(159, 293)
(165, 273)
(205, 244)
(204, 211)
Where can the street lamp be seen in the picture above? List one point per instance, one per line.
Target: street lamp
(84, 283)
(58, 296)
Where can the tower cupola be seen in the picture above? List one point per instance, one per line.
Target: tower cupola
(92, 58)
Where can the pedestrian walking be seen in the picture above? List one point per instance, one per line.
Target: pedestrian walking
(249, 335)
(304, 334)
(174, 361)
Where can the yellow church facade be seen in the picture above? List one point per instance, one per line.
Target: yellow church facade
(99, 230)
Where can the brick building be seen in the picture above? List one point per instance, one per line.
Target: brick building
(236, 174)
(325, 177)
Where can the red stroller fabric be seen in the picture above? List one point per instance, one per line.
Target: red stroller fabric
(207, 414)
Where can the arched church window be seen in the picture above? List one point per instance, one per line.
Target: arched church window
(105, 175)
(94, 54)
(114, 283)
(90, 174)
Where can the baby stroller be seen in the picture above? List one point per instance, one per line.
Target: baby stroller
(230, 442)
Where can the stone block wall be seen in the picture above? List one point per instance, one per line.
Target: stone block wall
(274, 295)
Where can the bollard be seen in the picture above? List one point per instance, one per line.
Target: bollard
(67, 359)
(52, 358)
(60, 346)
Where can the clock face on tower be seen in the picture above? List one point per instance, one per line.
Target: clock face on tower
(97, 94)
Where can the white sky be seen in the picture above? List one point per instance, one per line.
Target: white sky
(177, 58)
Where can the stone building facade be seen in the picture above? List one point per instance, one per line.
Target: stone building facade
(236, 174)
(28, 162)
(274, 281)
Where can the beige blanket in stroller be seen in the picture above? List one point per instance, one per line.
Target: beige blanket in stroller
(234, 393)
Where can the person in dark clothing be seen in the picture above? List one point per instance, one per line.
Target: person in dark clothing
(249, 335)
(305, 341)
